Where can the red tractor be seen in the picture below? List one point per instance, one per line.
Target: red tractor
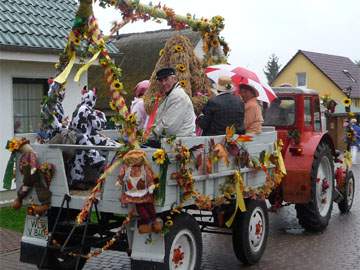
(311, 183)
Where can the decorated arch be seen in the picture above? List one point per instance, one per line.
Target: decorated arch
(86, 41)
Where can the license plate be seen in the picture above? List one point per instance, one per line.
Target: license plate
(36, 227)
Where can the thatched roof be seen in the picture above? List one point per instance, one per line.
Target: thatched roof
(138, 55)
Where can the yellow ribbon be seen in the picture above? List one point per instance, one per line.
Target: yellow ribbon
(278, 147)
(240, 203)
(86, 66)
(61, 78)
(347, 159)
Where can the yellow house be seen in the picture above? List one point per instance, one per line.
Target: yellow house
(330, 75)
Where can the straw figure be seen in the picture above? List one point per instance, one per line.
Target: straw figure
(178, 53)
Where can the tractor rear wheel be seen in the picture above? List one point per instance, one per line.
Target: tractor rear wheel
(348, 193)
(315, 215)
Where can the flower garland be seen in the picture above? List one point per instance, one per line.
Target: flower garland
(132, 11)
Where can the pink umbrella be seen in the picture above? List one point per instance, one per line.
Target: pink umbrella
(240, 75)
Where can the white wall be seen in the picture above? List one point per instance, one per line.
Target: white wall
(36, 70)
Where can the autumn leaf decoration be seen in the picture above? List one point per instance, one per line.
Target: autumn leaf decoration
(221, 154)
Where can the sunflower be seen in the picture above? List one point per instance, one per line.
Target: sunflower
(178, 48)
(350, 135)
(116, 85)
(215, 43)
(159, 156)
(113, 2)
(13, 145)
(131, 118)
(169, 223)
(347, 102)
(112, 105)
(74, 39)
(161, 52)
(180, 67)
(351, 114)
(183, 83)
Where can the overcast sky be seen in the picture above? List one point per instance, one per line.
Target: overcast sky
(255, 29)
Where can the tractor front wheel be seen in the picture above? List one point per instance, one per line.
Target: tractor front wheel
(315, 215)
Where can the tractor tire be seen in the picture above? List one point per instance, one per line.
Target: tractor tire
(314, 216)
(348, 193)
(184, 237)
(250, 232)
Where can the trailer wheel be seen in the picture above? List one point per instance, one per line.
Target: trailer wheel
(250, 232)
(315, 215)
(348, 193)
(183, 247)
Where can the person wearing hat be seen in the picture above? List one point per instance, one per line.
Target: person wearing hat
(223, 110)
(137, 105)
(175, 116)
(253, 116)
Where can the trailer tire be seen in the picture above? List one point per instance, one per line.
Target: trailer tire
(314, 216)
(348, 193)
(250, 232)
(185, 236)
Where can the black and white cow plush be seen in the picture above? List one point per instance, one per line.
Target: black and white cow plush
(87, 122)
(52, 111)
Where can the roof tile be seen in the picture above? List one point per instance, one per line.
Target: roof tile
(341, 70)
(37, 23)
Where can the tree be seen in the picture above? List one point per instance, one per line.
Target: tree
(272, 68)
(357, 62)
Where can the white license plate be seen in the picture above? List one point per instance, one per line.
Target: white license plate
(36, 227)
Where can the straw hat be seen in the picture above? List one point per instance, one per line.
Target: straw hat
(224, 84)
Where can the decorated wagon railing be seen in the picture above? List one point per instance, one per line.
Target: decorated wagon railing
(225, 176)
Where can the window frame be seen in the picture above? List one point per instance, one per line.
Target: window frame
(27, 99)
(297, 79)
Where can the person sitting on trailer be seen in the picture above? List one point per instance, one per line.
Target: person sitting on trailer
(223, 110)
(175, 115)
(253, 116)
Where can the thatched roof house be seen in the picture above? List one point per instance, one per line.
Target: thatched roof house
(139, 53)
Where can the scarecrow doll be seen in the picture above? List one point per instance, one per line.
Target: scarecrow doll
(137, 179)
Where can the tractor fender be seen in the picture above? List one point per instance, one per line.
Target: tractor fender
(296, 185)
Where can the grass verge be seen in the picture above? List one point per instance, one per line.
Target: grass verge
(12, 219)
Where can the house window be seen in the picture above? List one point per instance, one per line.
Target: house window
(27, 97)
(301, 79)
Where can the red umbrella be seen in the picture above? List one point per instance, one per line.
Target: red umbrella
(244, 76)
